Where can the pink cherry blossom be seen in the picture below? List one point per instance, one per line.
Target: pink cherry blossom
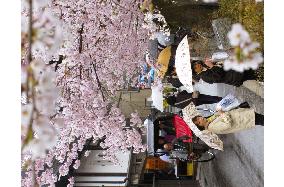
(87, 153)
(63, 169)
(245, 56)
(77, 164)
(71, 182)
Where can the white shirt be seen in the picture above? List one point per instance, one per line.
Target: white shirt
(166, 158)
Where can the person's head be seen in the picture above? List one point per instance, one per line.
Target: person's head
(173, 72)
(170, 71)
(161, 125)
(171, 100)
(200, 122)
(161, 140)
(168, 146)
(141, 85)
(197, 66)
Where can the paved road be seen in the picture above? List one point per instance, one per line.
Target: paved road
(241, 164)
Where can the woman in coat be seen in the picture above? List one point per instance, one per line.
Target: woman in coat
(229, 122)
(183, 99)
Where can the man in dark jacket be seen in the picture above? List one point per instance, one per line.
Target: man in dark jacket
(183, 99)
(211, 73)
(178, 145)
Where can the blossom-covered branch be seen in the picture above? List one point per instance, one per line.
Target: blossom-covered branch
(70, 104)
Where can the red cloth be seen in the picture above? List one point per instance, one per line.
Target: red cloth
(182, 128)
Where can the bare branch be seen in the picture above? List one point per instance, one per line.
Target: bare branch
(81, 38)
(99, 83)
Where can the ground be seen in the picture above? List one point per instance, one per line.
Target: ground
(241, 163)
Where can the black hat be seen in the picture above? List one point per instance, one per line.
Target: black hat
(171, 100)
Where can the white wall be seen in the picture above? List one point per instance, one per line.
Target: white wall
(216, 89)
(79, 181)
(95, 164)
(98, 185)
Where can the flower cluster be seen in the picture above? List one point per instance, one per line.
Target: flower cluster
(38, 131)
(38, 89)
(71, 182)
(245, 54)
(47, 30)
(156, 22)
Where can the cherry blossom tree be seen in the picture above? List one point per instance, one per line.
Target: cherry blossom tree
(94, 46)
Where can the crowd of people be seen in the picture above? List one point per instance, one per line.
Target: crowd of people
(211, 71)
(146, 76)
(167, 140)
